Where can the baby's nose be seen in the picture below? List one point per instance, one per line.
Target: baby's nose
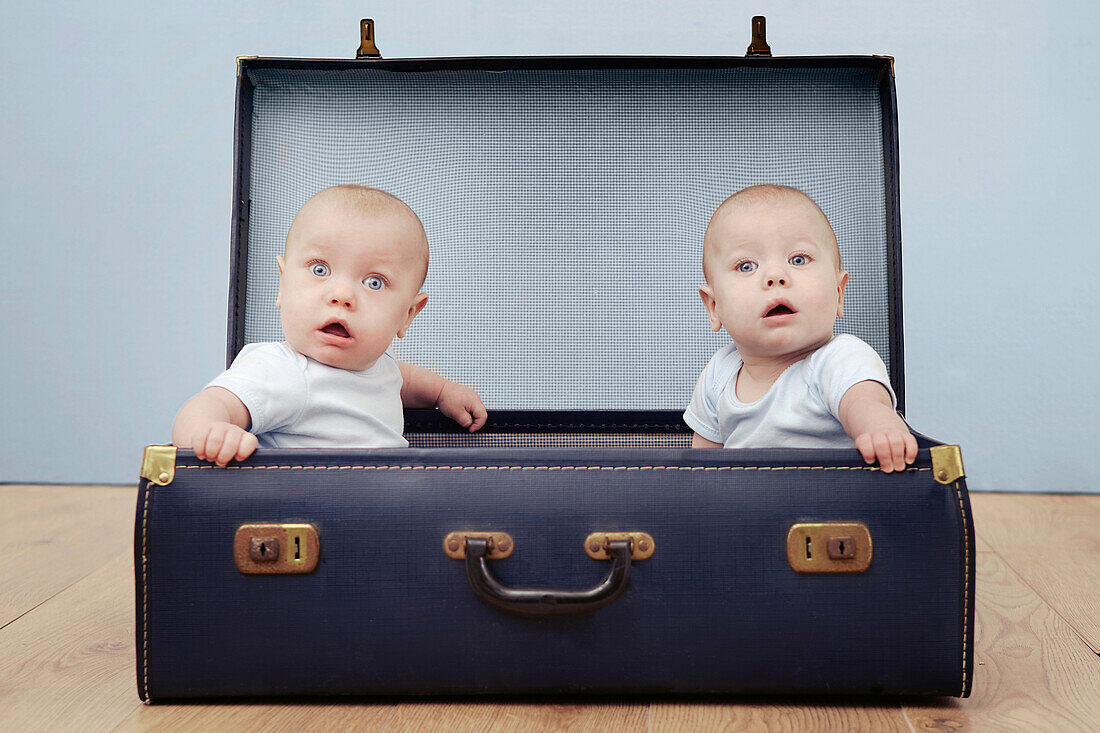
(344, 301)
(777, 280)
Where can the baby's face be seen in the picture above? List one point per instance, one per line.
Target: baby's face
(349, 283)
(774, 280)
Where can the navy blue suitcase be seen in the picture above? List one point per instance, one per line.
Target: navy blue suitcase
(575, 544)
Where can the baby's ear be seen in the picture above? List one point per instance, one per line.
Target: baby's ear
(841, 283)
(280, 263)
(418, 304)
(707, 294)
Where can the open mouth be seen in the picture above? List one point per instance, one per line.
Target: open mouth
(779, 310)
(336, 329)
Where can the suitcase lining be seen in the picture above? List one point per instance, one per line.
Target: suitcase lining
(518, 180)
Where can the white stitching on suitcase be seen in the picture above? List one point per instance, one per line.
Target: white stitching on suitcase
(145, 517)
(145, 597)
(546, 468)
(966, 585)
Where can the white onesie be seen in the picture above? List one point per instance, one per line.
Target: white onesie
(799, 411)
(296, 402)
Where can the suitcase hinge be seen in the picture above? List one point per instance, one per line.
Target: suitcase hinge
(947, 464)
(158, 465)
(367, 49)
(759, 45)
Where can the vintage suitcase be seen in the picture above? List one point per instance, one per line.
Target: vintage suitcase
(576, 544)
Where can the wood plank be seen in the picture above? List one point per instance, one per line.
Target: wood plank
(64, 538)
(1056, 521)
(307, 716)
(27, 512)
(1053, 542)
(69, 664)
(486, 717)
(1033, 671)
(787, 714)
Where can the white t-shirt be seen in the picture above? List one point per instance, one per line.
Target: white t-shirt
(296, 402)
(801, 408)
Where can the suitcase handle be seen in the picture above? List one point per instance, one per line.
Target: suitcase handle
(546, 601)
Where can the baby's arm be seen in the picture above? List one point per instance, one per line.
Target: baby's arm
(698, 441)
(422, 388)
(868, 416)
(214, 423)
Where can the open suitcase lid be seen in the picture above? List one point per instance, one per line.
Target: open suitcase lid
(565, 200)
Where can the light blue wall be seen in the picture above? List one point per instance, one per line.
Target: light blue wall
(117, 127)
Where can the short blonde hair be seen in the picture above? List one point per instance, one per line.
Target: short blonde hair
(371, 201)
(757, 194)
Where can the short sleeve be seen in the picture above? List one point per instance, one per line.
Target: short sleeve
(271, 383)
(702, 412)
(843, 363)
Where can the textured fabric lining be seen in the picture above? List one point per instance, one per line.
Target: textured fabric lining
(549, 440)
(565, 209)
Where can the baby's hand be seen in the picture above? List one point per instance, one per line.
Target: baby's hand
(463, 405)
(223, 442)
(893, 445)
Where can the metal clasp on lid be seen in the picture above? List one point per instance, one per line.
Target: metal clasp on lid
(759, 45)
(367, 49)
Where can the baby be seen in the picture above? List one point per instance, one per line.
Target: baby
(349, 281)
(774, 280)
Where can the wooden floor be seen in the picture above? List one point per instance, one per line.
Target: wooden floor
(67, 640)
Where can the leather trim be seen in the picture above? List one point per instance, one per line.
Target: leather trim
(141, 586)
(242, 200)
(966, 521)
(888, 103)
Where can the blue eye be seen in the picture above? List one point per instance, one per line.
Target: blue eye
(746, 266)
(374, 282)
(799, 260)
(320, 269)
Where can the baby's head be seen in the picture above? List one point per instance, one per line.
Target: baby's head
(350, 277)
(773, 271)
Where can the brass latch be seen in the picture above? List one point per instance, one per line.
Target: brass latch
(500, 544)
(597, 544)
(276, 549)
(367, 49)
(759, 45)
(829, 547)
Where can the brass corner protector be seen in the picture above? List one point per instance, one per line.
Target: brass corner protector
(888, 58)
(240, 59)
(158, 465)
(947, 464)
(367, 47)
(759, 45)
